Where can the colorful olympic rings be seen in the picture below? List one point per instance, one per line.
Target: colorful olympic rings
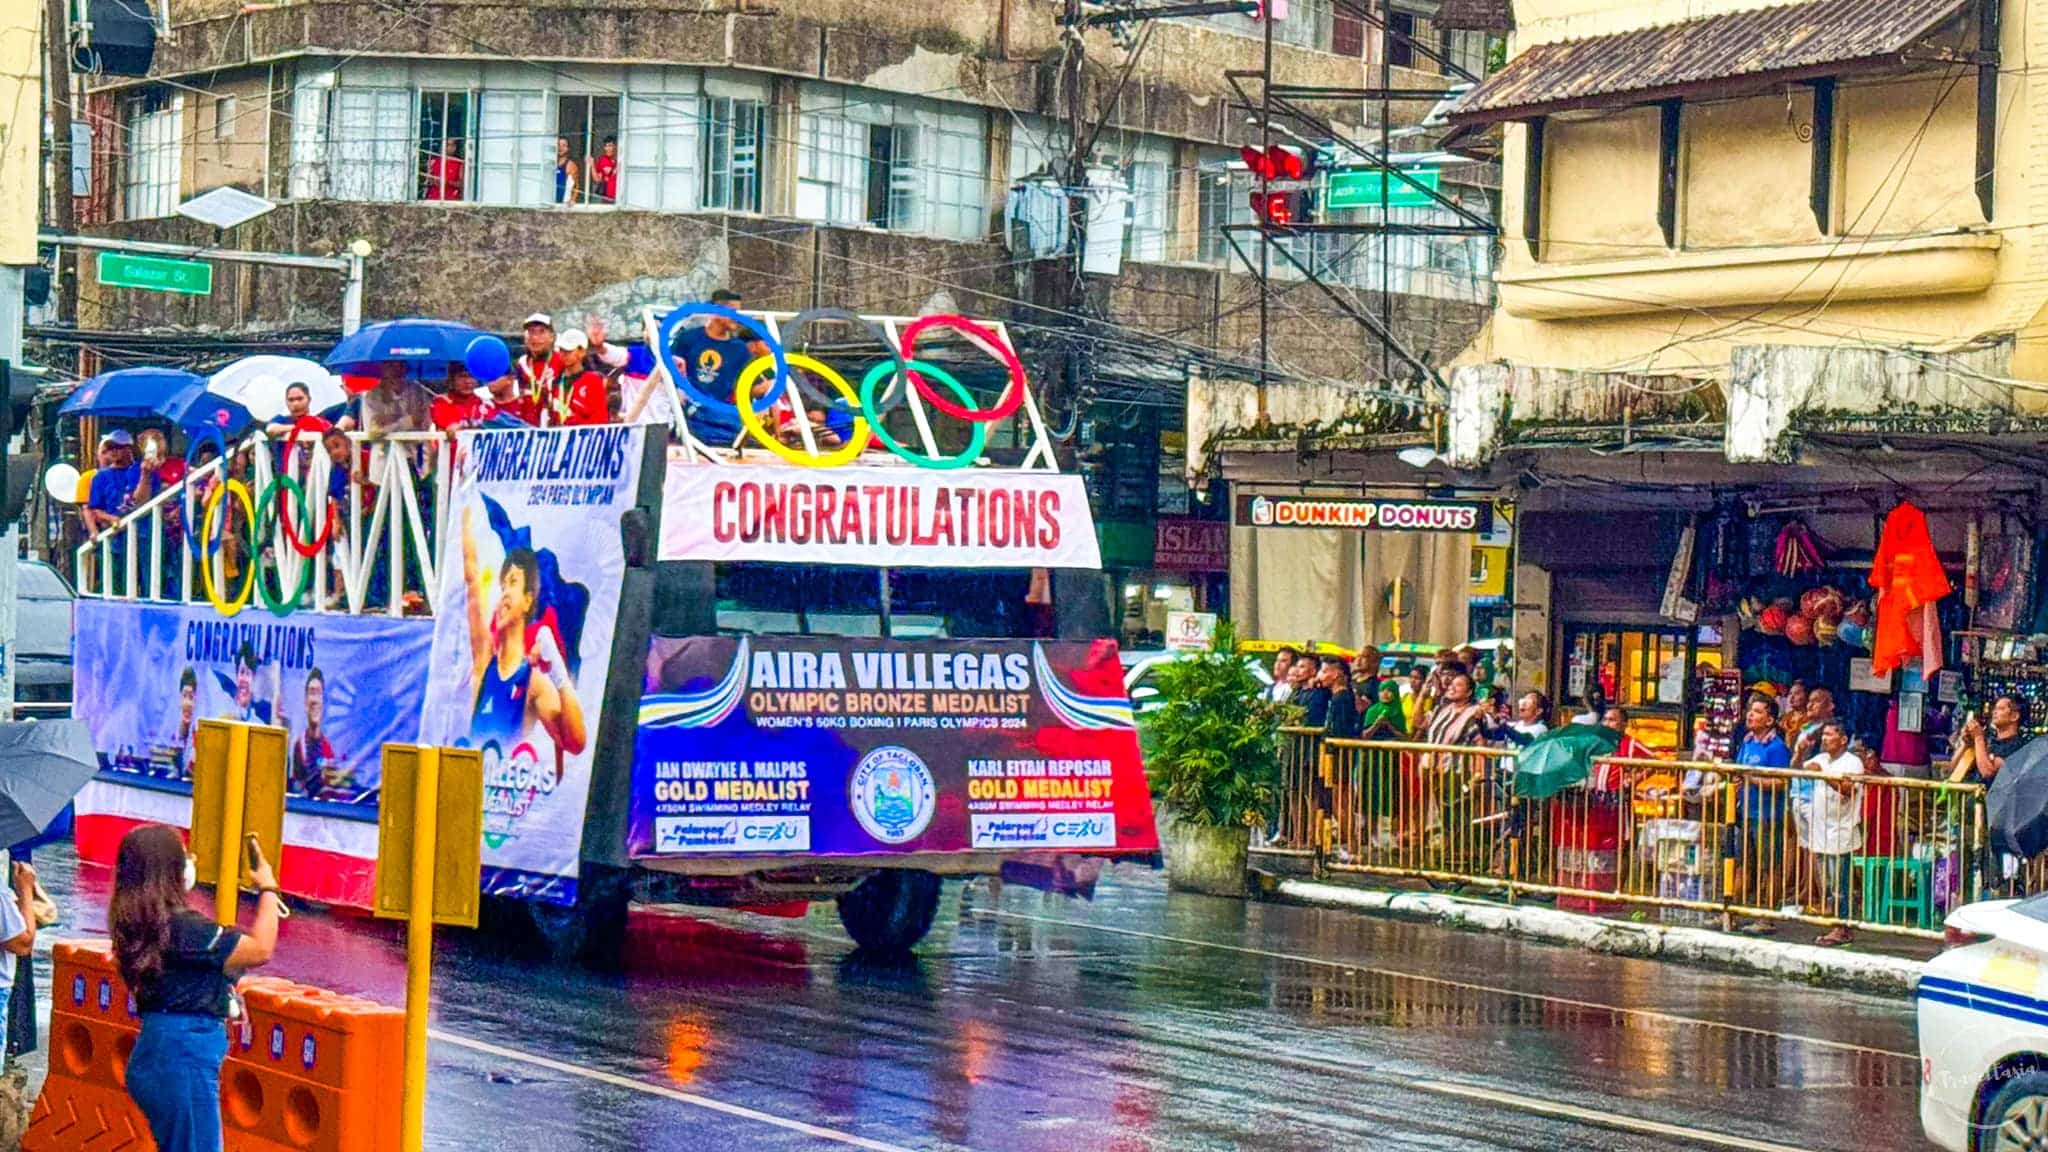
(272, 506)
(717, 406)
(241, 491)
(987, 341)
(205, 434)
(976, 441)
(792, 331)
(851, 450)
(291, 536)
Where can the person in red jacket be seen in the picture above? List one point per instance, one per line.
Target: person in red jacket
(579, 397)
(460, 407)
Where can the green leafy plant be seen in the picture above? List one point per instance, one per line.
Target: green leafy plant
(1212, 751)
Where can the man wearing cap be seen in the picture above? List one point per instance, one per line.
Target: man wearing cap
(111, 484)
(712, 357)
(540, 365)
(579, 396)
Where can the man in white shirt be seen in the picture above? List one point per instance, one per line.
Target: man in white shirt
(1283, 688)
(1830, 825)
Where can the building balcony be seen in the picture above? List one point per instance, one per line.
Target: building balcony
(1907, 267)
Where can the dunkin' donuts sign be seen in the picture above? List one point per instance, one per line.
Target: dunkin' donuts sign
(1376, 515)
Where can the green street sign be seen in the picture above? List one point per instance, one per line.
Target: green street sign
(155, 274)
(1361, 189)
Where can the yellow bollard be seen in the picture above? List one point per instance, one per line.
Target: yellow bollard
(419, 948)
(227, 885)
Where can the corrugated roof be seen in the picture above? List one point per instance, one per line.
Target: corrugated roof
(1814, 38)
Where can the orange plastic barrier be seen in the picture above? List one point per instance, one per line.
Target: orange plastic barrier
(308, 1070)
(84, 1102)
(313, 1071)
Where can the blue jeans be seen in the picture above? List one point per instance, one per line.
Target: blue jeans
(174, 1077)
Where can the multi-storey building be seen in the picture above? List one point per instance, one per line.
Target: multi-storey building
(1762, 261)
(850, 153)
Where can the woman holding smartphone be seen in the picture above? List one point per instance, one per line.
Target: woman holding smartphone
(181, 968)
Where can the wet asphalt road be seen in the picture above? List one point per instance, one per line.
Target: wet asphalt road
(1139, 1022)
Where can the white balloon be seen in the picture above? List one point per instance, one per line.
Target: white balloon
(61, 482)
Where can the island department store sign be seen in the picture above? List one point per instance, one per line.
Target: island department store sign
(1376, 515)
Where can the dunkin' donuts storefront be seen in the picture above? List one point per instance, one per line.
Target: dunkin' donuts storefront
(1351, 567)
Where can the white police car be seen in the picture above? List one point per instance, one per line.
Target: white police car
(1983, 1007)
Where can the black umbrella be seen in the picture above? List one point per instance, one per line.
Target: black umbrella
(43, 764)
(2019, 802)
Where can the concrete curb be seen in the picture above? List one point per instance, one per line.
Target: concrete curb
(1804, 963)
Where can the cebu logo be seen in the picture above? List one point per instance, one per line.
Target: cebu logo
(892, 794)
(1262, 511)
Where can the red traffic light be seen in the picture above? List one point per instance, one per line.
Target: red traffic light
(1275, 209)
(1275, 162)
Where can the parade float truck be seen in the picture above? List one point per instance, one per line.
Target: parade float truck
(846, 656)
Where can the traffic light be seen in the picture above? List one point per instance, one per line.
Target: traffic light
(1285, 177)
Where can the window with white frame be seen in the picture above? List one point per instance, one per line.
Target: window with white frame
(370, 144)
(903, 164)
(308, 174)
(660, 145)
(1149, 171)
(515, 150)
(734, 131)
(832, 160)
(153, 131)
(446, 142)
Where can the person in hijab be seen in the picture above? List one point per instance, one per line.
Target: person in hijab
(1385, 719)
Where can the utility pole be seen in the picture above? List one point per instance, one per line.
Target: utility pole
(58, 90)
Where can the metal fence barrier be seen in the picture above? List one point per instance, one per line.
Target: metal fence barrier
(1692, 842)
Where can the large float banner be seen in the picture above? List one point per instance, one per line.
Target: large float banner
(834, 746)
(343, 686)
(877, 517)
(531, 563)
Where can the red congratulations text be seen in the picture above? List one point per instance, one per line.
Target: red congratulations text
(756, 512)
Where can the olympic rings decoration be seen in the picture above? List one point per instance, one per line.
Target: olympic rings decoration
(849, 451)
(207, 434)
(291, 536)
(976, 441)
(717, 406)
(272, 507)
(241, 601)
(794, 329)
(902, 365)
(988, 342)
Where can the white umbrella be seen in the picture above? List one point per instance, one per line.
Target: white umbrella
(258, 383)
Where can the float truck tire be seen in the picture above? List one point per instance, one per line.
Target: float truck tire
(890, 911)
(593, 929)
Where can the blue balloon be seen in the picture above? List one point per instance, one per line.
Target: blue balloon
(487, 359)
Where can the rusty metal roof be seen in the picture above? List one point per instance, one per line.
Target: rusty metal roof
(1792, 41)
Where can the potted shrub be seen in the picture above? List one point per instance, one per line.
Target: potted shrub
(1212, 754)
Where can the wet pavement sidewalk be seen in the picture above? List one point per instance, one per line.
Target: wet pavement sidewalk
(1140, 1021)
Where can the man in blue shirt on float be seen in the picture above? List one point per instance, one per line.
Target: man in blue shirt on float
(108, 496)
(712, 356)
(1767, 865)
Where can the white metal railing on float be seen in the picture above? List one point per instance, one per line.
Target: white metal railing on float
(402, 489)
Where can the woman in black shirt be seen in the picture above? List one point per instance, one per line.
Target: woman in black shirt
(180, 967)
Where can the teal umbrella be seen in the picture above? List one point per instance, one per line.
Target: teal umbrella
(1561, 758)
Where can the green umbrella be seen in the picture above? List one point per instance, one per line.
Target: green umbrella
(1561, 758)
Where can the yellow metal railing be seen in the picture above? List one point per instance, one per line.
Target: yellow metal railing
(1701, 843)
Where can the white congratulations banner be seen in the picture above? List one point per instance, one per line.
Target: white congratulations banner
(877, 517)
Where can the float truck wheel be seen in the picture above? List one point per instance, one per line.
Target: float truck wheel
(594, 928)
(890, 911)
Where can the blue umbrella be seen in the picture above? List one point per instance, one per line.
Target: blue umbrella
(432, 344)
(129, 393)
(196, 409)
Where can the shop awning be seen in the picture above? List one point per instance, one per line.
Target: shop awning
(1788, 42)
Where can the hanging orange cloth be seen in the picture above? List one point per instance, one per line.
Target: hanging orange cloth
(1909, 581)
